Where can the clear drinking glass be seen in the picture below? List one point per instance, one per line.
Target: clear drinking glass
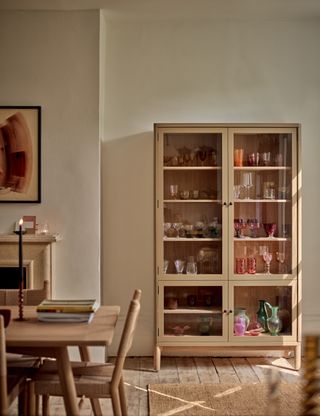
(165, 266)
(265, 158)
(174, 190)
(179, 265)
(246, 182)
(191, 266)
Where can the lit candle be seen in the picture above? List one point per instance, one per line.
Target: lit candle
(20, 253)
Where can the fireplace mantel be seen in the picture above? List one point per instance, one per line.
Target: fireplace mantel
(31, 238)
(38, 256)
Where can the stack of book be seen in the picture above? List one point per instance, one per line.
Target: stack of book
(56, 310)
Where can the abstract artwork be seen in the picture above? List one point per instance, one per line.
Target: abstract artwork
(20, 129)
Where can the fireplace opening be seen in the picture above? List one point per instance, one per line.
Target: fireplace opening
(10, 276)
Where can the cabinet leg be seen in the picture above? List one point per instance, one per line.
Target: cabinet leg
(157, 358)
(297, 357)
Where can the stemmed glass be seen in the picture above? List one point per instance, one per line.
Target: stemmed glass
(202, 153)
(267, 257)
(246, 182)
(239, 226)
(254, 226)
(280, 256)
(270, 229)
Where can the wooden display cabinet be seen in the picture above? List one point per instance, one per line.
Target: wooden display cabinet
(227, 236)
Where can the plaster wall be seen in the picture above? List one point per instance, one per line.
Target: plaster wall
(52, 59)
(198, 71)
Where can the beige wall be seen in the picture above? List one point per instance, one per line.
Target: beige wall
(52, 59)
(152, 71)
(206, 71)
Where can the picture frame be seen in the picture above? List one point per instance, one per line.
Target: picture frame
(20, 154)
(29, 223)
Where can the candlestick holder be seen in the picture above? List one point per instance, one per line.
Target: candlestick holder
(20, 303)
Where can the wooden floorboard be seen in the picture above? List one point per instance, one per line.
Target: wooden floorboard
(139, 372)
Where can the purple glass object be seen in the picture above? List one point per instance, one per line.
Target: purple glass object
(239, 326)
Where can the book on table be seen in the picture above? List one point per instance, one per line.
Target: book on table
(57, 310)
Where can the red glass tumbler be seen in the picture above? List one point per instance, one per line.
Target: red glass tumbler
(251, 265)
(240, 265)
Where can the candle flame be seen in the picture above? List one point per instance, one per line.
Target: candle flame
(21, 221)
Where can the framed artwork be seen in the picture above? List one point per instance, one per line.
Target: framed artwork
(20, 154)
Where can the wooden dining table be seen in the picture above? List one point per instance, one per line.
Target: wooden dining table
(43, 339)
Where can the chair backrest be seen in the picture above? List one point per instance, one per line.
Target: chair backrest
(31, 297)
(3, 371)
(127, 336)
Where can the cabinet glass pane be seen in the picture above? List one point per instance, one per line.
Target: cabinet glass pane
(262, 191)
(255, 299)
(192, 311)
(192, 210)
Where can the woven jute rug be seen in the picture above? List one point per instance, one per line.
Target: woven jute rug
(224, 400)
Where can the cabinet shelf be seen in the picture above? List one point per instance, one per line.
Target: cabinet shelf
(267, 239)
(192, 168)
(261, 200)
(177, 201)
(261, 168)
(196, 311)
(166, 239)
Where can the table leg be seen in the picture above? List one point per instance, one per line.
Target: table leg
(67, 381)
(85, 356)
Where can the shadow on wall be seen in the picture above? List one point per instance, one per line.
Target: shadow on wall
(127, 216)
(127, 212)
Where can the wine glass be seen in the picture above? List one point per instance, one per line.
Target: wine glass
(270, 229)
(246, 182)
(254, 226)
(239, 226)
(193, 155)
(267, 258)
(202, 153)
(280, 256)
(236, 191)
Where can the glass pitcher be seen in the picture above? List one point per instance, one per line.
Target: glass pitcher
(270, 323)
(274, 322)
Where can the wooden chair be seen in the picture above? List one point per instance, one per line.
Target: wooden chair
(94, 380)
(11, 386)
(22, 364)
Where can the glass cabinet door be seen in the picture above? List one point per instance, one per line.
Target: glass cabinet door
(192, 311)
(190, 193)
(263, 311)
(263, 188)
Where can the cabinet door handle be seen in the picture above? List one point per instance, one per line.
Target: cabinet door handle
(231, 311)
(230, 203)
(225, 204)
(225, 311)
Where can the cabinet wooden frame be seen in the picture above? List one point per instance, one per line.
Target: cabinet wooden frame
(228, 279)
